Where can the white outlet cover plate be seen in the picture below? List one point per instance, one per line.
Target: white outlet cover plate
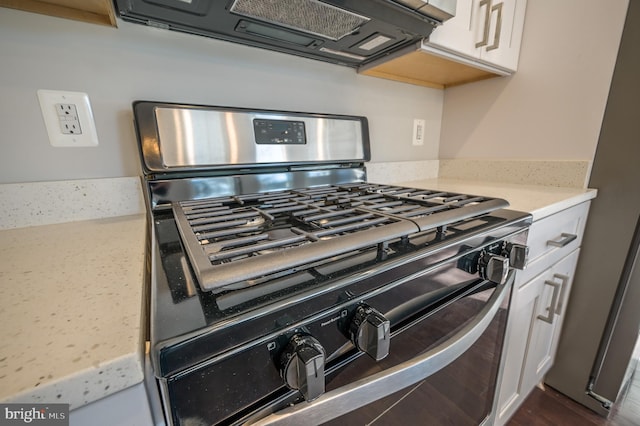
(418, 131)
(48, 100)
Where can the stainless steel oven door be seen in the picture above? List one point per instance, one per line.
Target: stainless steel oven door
(450, 382)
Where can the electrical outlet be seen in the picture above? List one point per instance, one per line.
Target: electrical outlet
(70, 127)
(418, 131)
(66, 110)
(68, 118)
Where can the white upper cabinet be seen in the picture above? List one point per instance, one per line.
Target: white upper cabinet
(457, 34)
(487, 31)
(482, 41)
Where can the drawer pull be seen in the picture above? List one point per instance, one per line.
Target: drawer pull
(554, 302)
(564, 240)
(565, 283)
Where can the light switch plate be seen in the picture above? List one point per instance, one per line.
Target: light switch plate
(75, 126)
(418, 131)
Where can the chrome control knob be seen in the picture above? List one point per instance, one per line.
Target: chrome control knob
(493, 268)
(302, 366)
(370, 332)
(518, 255)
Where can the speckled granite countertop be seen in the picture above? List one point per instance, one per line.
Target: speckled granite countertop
(71, 309)
(540, 201)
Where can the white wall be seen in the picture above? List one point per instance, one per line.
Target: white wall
(552, 108)
(133, 62)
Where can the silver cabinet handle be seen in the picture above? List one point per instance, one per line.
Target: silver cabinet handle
(369, 389)
(554, 302)
(496, 37)
(565, 281)
(564, 240)
(487, 17)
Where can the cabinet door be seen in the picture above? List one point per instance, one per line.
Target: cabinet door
(501, 32)
(486, 30)
(545, 332)
(457, 34)
(524, 308)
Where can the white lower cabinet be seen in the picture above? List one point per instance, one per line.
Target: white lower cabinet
(538, 305)
(553, 289)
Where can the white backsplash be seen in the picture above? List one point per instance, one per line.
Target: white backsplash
(45, 203)
(559, 173)
(402, 171)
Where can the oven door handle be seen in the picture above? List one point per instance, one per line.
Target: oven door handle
(369, 389)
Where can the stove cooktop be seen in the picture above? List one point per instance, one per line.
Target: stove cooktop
(239, 241)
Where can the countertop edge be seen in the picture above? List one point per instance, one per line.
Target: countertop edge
(120, 373)
(563, 205)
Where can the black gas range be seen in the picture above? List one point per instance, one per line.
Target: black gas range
(286, 289)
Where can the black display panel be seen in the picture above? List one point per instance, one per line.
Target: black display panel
(279, 132)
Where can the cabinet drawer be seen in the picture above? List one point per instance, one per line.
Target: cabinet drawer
(554, 237)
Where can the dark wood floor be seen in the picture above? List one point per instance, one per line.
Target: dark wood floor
(551, 408)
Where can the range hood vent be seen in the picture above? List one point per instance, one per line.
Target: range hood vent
(346, 32)
(309, 16)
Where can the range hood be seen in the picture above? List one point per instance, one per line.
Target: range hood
(345, 32)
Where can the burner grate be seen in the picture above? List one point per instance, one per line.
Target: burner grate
(284, 220)
(233, 240)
